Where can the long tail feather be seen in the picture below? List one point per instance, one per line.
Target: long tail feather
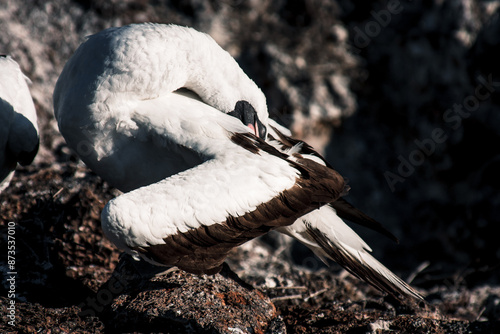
(346, 210)
(329, 237)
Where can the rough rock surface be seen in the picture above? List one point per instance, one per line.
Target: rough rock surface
(176, 301)
(401, 96)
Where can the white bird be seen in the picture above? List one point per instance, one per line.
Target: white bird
(164, 113)
(19, 139)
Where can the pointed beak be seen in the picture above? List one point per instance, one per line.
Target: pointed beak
(259, 128)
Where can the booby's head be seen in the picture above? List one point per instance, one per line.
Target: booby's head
(245, 112)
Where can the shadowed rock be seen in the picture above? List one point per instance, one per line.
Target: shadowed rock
(178, 302)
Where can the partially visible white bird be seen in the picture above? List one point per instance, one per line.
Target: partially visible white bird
(162, 112)
(19, 139)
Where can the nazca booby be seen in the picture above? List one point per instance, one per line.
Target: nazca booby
(166, 115)
(19, 138)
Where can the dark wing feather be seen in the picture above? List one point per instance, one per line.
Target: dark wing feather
(203, 249)
(346, 210)
(364, 267)
(289, 142)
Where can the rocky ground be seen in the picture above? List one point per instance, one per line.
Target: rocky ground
(401, 96)
(70, 278)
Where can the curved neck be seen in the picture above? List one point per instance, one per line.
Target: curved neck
(168, 57)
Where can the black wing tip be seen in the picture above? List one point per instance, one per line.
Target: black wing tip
(347, 211)
(305, 149)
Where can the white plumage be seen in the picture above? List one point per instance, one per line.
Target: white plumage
(128, 72)
(18, 122)
(150, 109)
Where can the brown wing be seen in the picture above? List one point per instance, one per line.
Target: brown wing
(203, 250)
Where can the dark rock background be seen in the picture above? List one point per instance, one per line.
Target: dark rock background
(403, 99)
